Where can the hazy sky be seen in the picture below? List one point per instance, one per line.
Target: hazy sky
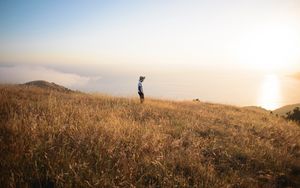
(140, 35)
(90, 40)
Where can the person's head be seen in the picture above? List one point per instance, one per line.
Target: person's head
(142, 78)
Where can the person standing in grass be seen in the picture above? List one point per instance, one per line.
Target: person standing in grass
(140, 88)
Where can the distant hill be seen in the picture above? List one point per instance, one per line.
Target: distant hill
(47, 85)
(285, 109)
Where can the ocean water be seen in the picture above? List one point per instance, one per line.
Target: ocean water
(269, 91)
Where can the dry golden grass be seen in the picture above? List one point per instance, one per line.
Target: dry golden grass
(57, 139)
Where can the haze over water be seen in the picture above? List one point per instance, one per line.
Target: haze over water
(269, 91)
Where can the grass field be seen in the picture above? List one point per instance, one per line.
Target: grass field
(51, 138)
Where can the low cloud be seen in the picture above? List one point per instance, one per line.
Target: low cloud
(22, 74)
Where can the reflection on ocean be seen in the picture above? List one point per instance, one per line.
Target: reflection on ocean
(270, 92)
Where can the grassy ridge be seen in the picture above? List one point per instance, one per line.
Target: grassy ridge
(73, 139)
(285, 109)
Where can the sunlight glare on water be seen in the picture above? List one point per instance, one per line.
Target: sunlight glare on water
(270, 95)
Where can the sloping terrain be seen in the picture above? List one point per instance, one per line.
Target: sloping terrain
(50, 138)
(47, 85)
(256, 108)
(285, 109)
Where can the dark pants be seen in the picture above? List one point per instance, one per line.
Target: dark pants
(141, 96)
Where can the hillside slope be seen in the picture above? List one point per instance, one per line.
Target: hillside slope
(51, 138)
(47, 85)
(285, 109)
(256, 108)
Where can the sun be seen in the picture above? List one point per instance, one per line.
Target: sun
(267, 48)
